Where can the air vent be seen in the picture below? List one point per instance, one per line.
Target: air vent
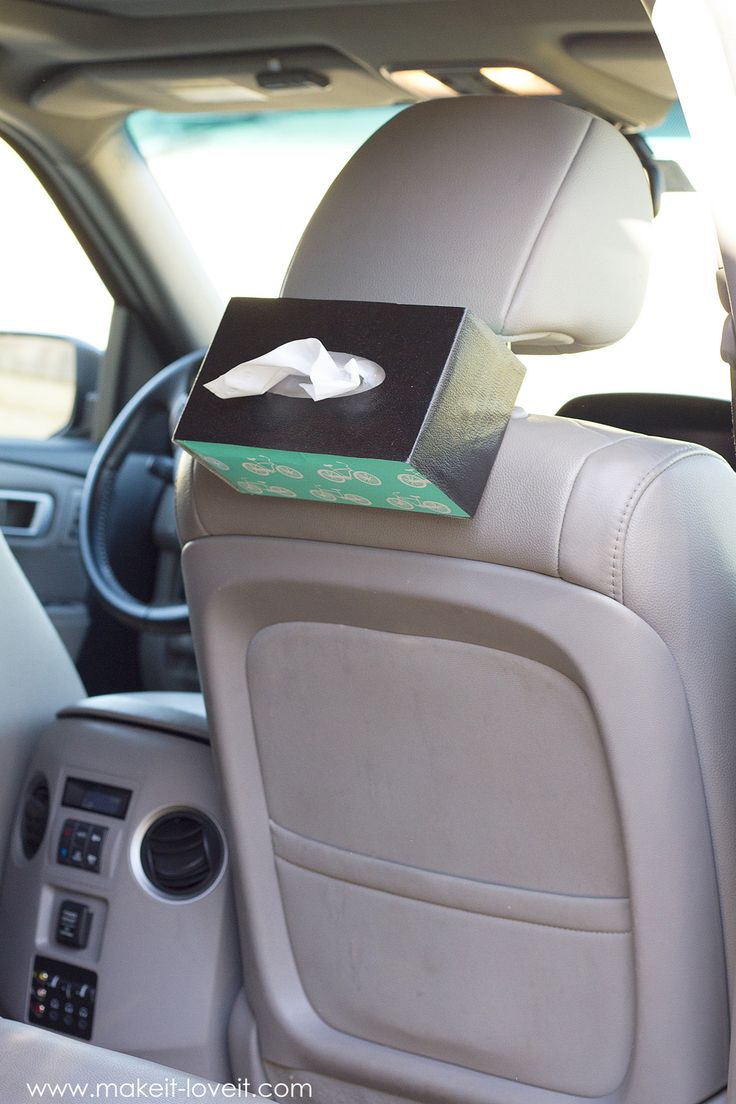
(182, 854)
(35, 817)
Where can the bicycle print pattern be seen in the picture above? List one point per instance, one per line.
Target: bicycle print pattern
(348, 481)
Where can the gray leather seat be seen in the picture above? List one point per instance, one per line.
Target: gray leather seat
(37, 678)
(479, 774)
(31, 1058)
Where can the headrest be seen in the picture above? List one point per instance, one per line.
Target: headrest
(535, 215)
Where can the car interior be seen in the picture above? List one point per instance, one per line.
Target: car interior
(305, 800)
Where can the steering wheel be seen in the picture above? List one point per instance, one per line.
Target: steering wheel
(165, 392)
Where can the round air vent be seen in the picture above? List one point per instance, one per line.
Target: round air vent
(35, 817)
(182, 853)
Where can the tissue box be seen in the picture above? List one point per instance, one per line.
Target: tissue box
(424, 440)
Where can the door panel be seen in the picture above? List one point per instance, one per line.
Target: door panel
(50, 557)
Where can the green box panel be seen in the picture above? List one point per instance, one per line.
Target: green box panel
(350, 480)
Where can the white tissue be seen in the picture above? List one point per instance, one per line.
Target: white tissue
(286, 369)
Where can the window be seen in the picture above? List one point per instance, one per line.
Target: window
(674, 347)
(47, 287)
(244, 187)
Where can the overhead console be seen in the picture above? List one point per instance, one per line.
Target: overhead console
(118, 921)
(267, 80)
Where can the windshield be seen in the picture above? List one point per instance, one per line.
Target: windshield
(264, 174)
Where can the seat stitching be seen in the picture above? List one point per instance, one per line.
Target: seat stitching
(277, 827)
(544, 222)
(650, 475)
(311, 869)
(696, 742)
(584, 461)
(314, 866)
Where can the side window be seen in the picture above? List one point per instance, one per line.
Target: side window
(674, 346)
(48, 288)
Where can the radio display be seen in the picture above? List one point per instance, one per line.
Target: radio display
(96, 797)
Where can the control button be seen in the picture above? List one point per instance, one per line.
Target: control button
(65, 840)
(69, 1008)
(93, 853)
(72, 929)
(80, 845)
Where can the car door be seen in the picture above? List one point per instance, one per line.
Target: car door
(54, 320)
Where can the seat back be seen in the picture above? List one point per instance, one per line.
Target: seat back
(464, 761)
(37, 677)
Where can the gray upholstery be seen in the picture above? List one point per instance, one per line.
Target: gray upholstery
(479, 774)
(37, 677)
(30, 1056)
(422, 214)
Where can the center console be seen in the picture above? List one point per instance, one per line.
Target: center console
(117, 915)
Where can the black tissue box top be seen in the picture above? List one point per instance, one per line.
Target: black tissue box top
(441, 411)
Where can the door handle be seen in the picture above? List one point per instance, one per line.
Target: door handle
(25, 513)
